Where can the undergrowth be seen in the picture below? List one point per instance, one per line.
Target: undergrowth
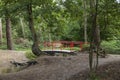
(30, 55)
(111, 47)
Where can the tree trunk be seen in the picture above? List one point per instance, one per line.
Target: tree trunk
(92, 31)
(22, 27)
(8, 33)
(85, 21)
(35, 47)
(95, 34)
(0, 31)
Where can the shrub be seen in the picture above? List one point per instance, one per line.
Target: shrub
(22, 44)
(76, 48)
(18, 44)
(111, 47)
(30, 55)
(86, 47)
(3, 45)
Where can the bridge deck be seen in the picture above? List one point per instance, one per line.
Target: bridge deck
(59, 51)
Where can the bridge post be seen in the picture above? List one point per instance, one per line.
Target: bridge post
(81, 45)
(71, 45)
(52, 46)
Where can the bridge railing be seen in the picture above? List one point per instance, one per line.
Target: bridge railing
(62, 45)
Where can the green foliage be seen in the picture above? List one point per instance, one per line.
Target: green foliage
(19, 44)
(109, 19)
(3, 45)
(22, 43)
(74, 8)
(93, 76)
(76, 48)
(60, 20)
(86, 47)
(73, 31)
(10, 69)
(111, 47)
(30, 55)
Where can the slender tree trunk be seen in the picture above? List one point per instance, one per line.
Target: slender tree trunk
(8, 33)
(98, 44)
(95, 33)
(0, 31)
(85, 31)
(92, 31)
(35, 47)
(85, 21)
(22, 27)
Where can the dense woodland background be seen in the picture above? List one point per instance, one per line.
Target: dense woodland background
(26, 24)
(55, 20)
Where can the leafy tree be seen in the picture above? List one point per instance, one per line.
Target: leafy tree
(30, 6)
(6, 9)
(35, 47)
(109, 19)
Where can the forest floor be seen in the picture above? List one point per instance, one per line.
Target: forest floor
(9, 55)
(65, 68)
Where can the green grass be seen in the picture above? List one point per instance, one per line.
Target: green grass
(63, 48)
(86, 47)
(30, 55)
(93, 76)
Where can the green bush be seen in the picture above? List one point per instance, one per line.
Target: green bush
(76, 48)
(111, 47)
(3, 46)
(18, 44)
(30, 55)
(20, 47)
(86, 47)
(21, 43)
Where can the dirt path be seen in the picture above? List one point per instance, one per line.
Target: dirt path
(7, 55)
(56, 68)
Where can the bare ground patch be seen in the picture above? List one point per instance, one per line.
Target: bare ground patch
(110, 71)
(56, 67)
(7, 55)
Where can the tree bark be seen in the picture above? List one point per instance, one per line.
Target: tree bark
(0, 31)
(95, 33)
(8, 33)
(35, 47)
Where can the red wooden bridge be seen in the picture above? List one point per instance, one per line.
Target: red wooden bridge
(62, 46)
